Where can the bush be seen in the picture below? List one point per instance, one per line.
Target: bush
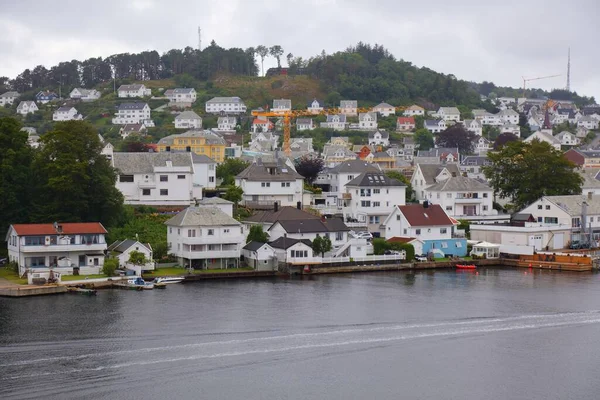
(380, 246)
(110, 265)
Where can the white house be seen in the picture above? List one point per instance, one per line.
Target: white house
(473, 125)
(373, 195)
(510, 128)
(294, 251)
(462, 197)
(542, 136)
(164, 178)
(205, 238)
(305, 124)
(188, 120)
(482, 145)
(414, 110)
(367, 121)
(405, 124)
(85, 94)
(335, 154)
(8, 98)
(567, 138)
(487, 118)
(66, 113)
(135, 90)
(348, 107)
(260, 256)
(336, 122)
(437, 155)
(269, 182)
(449, 114)
(122, 249)
(226, 105)
(426, 175)
(384, 109)
(315, 106)
(67, 248)
(303, 229)
(225, 124)
(262, 125)
(435, 125)
(379, 138)
(509, 116)
(472, 166)
(333, 181)
(205, 171)
(282, 105)
(133, 113)
(132, 129)
(27, 107)
(181, 97)
(587, 122)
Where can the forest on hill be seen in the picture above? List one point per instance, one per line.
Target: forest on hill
(368, 73)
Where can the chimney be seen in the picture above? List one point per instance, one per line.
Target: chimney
(454, 174)
(425, 204)
(299, 205)
(276, 206)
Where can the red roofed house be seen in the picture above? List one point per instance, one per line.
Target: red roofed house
(69, 248)
(416, 243)
(405, 124)
(262, 125)
(428, 223)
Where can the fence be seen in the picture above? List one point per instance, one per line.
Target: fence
(368, 259)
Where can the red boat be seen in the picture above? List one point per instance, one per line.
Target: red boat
(466, 266)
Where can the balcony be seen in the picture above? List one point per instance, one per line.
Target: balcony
(208, 254)
(468, 200)
(210, 239)
(62, 248)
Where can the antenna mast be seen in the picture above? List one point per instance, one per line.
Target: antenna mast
(569, 71)
(199, 39)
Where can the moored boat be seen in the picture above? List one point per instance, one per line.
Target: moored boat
(139, 284)
(168, 279)
(466, 266)
(88, 292)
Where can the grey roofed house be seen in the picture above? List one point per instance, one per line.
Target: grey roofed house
(303, 121)
(226, 120)
(282, 103)
(144, 163)
(475, 161)
(130, 128)
(187, 115)
(225, 100)
(348, 104)
(333, 117)
(384, 105)
(384, 134)
(286, 242)
(572, 204)
(430, 171)
(202, 216)
(64, 109)
(363, 116)
(132, 106)
(437, 152)
(590, 179)
(213, 201)
(481, 113)
(121, 246)
(211, 137)
(312, 225)
(182, 90)
(301, 144)
(458, 183)
(10, 94)
(376, 179)
(321, 103)
(268, 171)
(283, 213)
(330, 150)
(254, 246)
(508, 112)
(450, 110)
(432, 122)
(354, 166)
(202, 159)
(135, 86)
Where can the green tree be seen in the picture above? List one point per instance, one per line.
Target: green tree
(229, 168)
(109, 267)
(257, 234)
(137, 258)
(524, 172)
(457, 136)
(490, 132)
(465, 112)
(410, 193)
(309, 168)
(73, 181)
(262, 52)
(423, 139)
(234, 194)
(276, 51)
(379, 246)
(504, 138)
(321, 245)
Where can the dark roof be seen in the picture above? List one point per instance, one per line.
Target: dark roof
(286, 242)
(430, 171)
(253, 246)
(374, 179)
(356, 166)
(284, 213)
(522, 217)
(418, 215)
(140, 163)
(120, 246)
(313, 225)
(259, 171)
(132, 106)
(202, 159)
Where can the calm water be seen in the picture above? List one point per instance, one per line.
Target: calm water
(498, 334)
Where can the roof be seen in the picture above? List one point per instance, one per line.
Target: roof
(68, 228)
(430, 171)
(572, 204)
(348, 104)
(304, 121)
(406, 120)
(10, 94)
(475, 161)
(363, 116)
(419, 215)
(354, 166)
(374, 179)
(182, 90)
(282, 103)
(213, 201)
(259, 171)
(316, 225)
(384, 134)
(132, 106)
(449, 110)
(415, 107)
(542, 136)
(120, 246)
(144, 163)
(432, 122)
(202, 159)
(286, 242)
(508, 112)
(202, 216)
(225, 100)
(341, 117)
(65, 109)
(437, 152)
(402, 239)
(309, 105)
(227, 120)
(284, 213)
(130, 87)
(254, 246)
(459, 184)
(383, 105)
(187, 115)
(133, 127)
(209, 136)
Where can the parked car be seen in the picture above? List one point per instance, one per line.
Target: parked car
(392, 253)
(3, 261)
(364, 235)
(420, 258)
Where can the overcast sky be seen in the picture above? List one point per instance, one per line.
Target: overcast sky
(473, 40)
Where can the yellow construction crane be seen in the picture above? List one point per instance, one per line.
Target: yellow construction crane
(525, 80)
(288, 115)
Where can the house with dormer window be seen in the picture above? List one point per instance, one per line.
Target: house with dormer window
(336, 122)
(349, 107)
(426, 175)
(367, 121)
(315, 106)
(384, 109)
(379, 138)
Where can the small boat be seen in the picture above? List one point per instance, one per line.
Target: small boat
(139, 284)
(466, 266)
(84, 291)
(168, 279)
(160, 285)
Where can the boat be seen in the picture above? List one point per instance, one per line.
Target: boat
(84, 291)
(168, 279)
(139, 284)
(466, 266)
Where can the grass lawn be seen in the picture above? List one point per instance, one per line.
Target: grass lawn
(12, 276)
(66, 278)
(178, 271)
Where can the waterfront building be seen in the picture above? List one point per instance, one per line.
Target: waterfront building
(122, 249)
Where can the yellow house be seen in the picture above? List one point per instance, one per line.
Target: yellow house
(200, 142)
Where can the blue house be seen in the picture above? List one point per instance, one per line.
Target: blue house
(45, 96)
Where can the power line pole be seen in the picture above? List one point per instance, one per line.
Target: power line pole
(569, 71)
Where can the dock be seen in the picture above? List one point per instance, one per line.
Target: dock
(30, 290)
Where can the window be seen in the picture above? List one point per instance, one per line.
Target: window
(265, 184)
(211, 167)
(145, 192)
(191, 233)
(339, 236)
(376, 191)
(444, 245)
(575, 222)
(443, 230)
(438, 195)
(539, 207)
(125, 178)
(164, 178)
(170, 230)
(397, 218)
(376, 204)
(164, 192)
(179, 231)
(285, 184)
(405, 232)
(547, 207)
(485, 208)
(365, 203)
(448, 208)
(34, 240)
(552, 220)
(449, 195)
(417, 231)
(458, 244)
(96, 261)
(211, 232)
(485, 195)
(226, 230)
(180, 176)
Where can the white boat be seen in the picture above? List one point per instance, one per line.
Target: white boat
(139, 284)
(168, 279)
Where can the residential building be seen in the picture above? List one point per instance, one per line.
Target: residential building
(426, 175)
(373, 195)
(414, 111)
(506, 101)
(224, 205)
(584, 158)
(133, 113)
(472, 166)
(85, 94)
(262, 125)
(263, 141)
(66, 113)
(67, 248)
(227, 105)
(339, 141)
(384, 109)
(367, 121)
(132, 129)
(417, 244)
(567, 138)
(449, 114)
(205, 238)
(462, 197)
(428, 223)
(27, 107)
(349, 107)
(188, 120)
(8, 98)
(156, 178)
(435, 125)
(544, 137)
(591, 181)
(181, 97)
(305, 124)
(301, 146)
(225, 124)
(205, 142)
(437, 155)
(205, 171)
(487, 118)
(135, 90)
(267, 217)
(309, 229)
(336, 122)
(379, 138)
(315, 106)
(335, 154)
(384, 160)
(282, 105)
(473, 125)
(508, 116)
(588, 122)
(405, 124)
(260, 256)
(294, 251)
(482, 145)
(510, 128)
(265, 183)
(45, 96)
(122, 249)
(333, 181)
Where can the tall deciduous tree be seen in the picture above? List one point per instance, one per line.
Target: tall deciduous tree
(276, 51)
(504, 138)
(524, 172)
(309, 168)
(257, 234)
(423, 139)
(262, 52)
(321, 245)
(74, 181)
(457, 136)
